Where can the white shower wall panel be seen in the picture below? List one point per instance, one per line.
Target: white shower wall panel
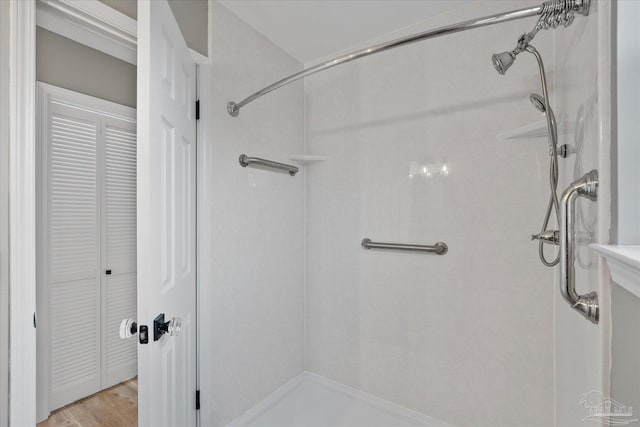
(251, 226)
(582, 88)
(414, 157)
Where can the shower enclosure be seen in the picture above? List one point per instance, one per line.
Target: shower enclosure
(313, 317)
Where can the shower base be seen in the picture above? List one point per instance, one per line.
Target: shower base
(310, 400)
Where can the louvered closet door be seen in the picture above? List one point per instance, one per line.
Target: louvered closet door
(89, 227)
(74, 254)
(119, 248)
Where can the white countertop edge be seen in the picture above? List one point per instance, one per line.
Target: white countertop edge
(624, 264)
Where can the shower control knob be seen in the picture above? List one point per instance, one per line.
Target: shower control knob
(551, 237)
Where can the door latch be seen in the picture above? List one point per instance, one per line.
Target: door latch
(129, 328)
(143, 334)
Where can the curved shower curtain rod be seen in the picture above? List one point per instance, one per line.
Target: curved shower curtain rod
(556, 11)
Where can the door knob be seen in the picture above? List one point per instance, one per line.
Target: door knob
(128, 328)
(160, 327)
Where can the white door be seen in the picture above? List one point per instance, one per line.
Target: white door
(166, 218)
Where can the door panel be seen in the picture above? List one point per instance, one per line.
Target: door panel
(120, 197)
(166, 217)
(119, 253)
(73, 238)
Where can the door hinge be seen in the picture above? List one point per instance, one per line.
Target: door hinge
(197, 400)
(198, 109)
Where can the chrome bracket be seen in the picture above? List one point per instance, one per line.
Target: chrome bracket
(563, 151)
(233, 109)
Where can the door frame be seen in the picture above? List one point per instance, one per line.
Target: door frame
(4, 213)
(22, 213)
(22, 199)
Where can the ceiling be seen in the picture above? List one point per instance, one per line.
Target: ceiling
(312, 29)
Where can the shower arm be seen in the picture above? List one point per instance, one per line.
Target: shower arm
(556, 8)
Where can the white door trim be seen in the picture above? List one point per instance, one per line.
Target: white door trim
(4, 214)
(96, 25)
(92, 23)
(22, 214)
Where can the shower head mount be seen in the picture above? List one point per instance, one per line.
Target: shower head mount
(502, 61)
(554, 14)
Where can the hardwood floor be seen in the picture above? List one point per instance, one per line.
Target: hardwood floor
(114, 407)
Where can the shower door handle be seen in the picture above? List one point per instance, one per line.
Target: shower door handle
(586, 304)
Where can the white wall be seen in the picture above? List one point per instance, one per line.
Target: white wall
(628, 125)
(582, 92)
(467, 337)
(190, 14)
(252, 268)
(625, 347)
(71, 65)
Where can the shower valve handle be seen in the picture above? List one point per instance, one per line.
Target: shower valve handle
(551, 237)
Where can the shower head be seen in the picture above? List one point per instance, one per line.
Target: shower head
(538, 102)
(502, 61)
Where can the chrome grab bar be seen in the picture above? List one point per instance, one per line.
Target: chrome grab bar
(248, 161)
(586, 304)
(439, 248)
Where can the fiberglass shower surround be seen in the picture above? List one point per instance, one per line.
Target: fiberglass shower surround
(417, 145)
(553, 14)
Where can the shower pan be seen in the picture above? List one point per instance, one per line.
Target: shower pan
(391, 280)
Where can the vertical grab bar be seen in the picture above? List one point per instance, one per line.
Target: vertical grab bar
(586, 304)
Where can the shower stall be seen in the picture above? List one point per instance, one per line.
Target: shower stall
(365, 224)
